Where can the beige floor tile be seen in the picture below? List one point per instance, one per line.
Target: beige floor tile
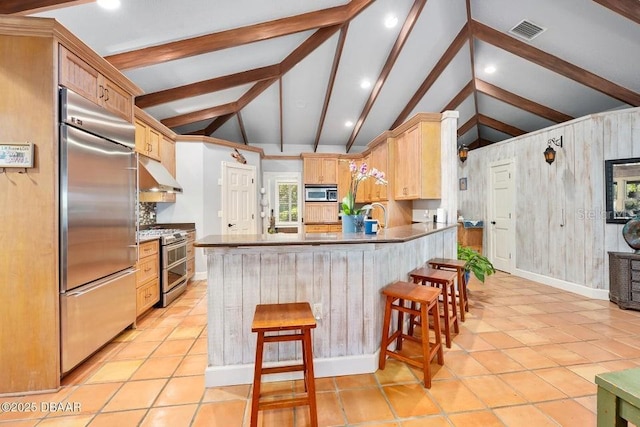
(227, 413)
(476, 419)
(454, 396)
(532, 387)
(173, 348)
(493, 391)
(157, 367)
(91, 398)
(496, 361)
(590, 351)
(126, 418)
(517, 416)
(621, 349)
(115, 371)
(473, 342)
(185, 332)
(136, 350)
(559, 354)
(529, 358)
(410, 400)
(356, 381)
(462, 365)
(589, 402)
(322, 384)
(365, 404)
(192, 365)
(500, 340)
(329, 411)
(232, 392)
(431, 421)
(169, 416)
(154, 334)
(181, 390)
(68, 421)
(135, 395)
(199, 347)
(568, 413)
(566, 381)
(395, 372)
(194, 320)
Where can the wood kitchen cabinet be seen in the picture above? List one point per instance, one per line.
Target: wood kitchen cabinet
(191, 255)
(320, 170)
(147, 276)
(417, 150)
(323, 228)
(85, 80)
(364, 188)
(320, 212)
(147, 140)
(379, 160)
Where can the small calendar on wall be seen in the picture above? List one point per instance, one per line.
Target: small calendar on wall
(16, 155)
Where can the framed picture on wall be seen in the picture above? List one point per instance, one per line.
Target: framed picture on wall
(463, 184)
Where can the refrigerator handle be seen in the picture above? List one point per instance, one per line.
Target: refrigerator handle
(100, 283)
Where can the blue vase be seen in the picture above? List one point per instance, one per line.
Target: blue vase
(352, 223)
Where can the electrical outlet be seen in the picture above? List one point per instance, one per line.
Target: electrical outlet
(317, 311)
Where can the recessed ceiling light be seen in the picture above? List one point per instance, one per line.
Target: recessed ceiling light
(348, 123)
(365, 84)
(490, 69)
(390, 21)
(109, 4)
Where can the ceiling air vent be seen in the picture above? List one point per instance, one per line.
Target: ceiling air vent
(527, 30)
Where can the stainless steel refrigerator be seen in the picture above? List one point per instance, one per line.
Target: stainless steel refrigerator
(97, 227)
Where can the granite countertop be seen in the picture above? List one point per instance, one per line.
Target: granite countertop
(391, 235)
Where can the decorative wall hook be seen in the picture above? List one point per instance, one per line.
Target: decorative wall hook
(239, 157)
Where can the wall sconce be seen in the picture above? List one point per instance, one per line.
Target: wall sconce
(550, 153)
(463, 150)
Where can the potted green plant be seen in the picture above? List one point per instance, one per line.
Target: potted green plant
(476, 263)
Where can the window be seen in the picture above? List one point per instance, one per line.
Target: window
(287, 202)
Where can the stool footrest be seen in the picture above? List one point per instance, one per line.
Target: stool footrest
(281, 369)
(283, 338)
(284, 403)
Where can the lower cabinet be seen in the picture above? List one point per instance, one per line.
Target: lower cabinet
(191, 255)
(323, 228)
(147, 276)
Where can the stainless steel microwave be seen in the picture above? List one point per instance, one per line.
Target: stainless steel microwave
(321, 194)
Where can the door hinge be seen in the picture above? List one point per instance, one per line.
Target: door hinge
(252, 180)
(509, 215)
(252, 216)
(509, 255)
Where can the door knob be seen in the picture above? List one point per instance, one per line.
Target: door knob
(493, 222)
(230, 225)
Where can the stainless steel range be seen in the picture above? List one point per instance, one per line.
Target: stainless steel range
(173, 261)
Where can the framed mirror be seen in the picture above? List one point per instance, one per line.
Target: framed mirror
(622, 189)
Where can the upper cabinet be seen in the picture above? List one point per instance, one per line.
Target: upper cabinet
(79, 76)
(147, 140)
(379, 160)
(417, 150)
(320, 170)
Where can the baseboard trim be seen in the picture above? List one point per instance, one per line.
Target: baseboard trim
(601, 294)
(200, 275)
(217, 376)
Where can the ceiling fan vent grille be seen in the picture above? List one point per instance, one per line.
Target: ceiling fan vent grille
(527, 30)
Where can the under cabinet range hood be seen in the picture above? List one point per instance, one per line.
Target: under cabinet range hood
(155, 177)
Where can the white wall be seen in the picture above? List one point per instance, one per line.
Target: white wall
(198, 169)
(573, 255)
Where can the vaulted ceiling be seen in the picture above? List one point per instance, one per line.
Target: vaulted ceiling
(286, 74)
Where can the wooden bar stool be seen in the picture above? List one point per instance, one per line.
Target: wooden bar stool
(458, 266)
(427, 297)
(298, 318)
(445, 280)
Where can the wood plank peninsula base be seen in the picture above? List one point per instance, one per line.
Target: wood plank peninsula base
(340, 275)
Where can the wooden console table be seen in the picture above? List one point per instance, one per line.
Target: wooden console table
(619, 398)
(471, 237)
(624, 279)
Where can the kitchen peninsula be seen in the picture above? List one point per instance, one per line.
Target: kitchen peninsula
(340, 275)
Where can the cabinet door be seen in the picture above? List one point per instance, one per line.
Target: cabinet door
(407, 179)
(115, 99)
(147, 295)
(78, 76)
(329, 212)
(320, 212)
(168, 160)
(344, 179)
(379, 161)
(312, 171)
(329, 171)
(153, 138)
(142, 146)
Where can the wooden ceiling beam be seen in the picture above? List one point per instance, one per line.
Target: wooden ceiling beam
(243, 131)
(498, 125)
(630, 9)
(520, 102)
(196, 116)
(308, 46)
(236, 37)
(444, 60)
(403, 36)
(332, 78)
(208, 86)
(473, 121)
(553, 63)
(460, 97)
(24, 7)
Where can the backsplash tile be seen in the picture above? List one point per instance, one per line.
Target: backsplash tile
(146, 213)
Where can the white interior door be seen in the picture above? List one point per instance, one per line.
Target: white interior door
(239, 198)
(501, 229)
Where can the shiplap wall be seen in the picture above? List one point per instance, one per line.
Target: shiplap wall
(345, 279)
(560, 208)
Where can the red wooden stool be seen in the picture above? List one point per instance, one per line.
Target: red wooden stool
(445, 280)
(276, 318)
(427, 297)
(458, 266)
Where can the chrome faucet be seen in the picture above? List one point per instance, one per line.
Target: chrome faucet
(369, 207)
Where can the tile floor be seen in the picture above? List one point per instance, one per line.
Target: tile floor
(526, 356)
